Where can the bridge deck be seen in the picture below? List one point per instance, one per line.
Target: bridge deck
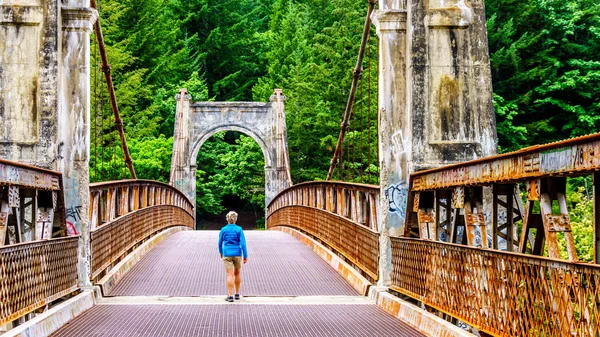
(177, 290)
(235, 320)
(188, 264)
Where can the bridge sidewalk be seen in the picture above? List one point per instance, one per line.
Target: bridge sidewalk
(188, 264)
(178, 289)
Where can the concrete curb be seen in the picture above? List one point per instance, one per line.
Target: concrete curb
(48, 322)
(115, 275)
(352, 276)
(424, 321)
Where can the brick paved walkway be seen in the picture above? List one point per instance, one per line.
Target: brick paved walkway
(168, 294)
(188, 264)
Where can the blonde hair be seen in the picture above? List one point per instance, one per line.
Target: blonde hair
(231, 217)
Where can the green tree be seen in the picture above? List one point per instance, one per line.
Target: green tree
(545, 69)
(229, 163)
(581, 210)
(228, 43)
(312, 49)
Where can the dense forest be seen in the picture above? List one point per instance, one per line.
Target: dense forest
(545, 57)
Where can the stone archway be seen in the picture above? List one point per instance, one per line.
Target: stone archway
(196, 122)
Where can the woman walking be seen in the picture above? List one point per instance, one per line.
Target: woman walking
(232, 247)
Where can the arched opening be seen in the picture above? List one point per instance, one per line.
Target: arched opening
(230, 175)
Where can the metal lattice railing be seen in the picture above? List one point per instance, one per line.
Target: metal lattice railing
(339, 214)
(125, 213)
(501, 293)
(35, 274)
(355, 202)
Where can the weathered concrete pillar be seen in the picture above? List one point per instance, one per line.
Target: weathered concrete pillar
(450, 80)
(180, 169)
(45, 97)
(74, 122)
(435, 97)
(394, 127)
(28, 82)
(280, 176)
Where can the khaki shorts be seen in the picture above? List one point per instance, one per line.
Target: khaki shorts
(232, 262)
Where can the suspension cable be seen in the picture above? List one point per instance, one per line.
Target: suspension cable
(356, 75)
(369, 112)
(103, 132)
(362, 98)
(111, 91)
(95, 113)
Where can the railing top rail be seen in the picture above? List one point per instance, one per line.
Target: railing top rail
(365, 187)
(36, 243)
(125, 182)
(483, 251)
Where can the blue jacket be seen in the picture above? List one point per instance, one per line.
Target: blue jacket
(232, 241)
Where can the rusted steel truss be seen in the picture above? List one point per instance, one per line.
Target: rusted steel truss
(453, 203)
(566, 158)
(31, 203)
(124, 213)
(342, 215)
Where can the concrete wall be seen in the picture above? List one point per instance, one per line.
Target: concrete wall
(197, 122)
(435, 97)
(45, 96)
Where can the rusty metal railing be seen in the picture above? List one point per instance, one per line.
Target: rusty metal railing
(35, 270)
(355, 202)
(34, 274)
(342, 215)
(500, 293)
(125, 213)
(568, 157)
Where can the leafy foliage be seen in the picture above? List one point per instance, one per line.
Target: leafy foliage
(545, 68)
(545, 57)
(581, 212)
(312, 51)
(229, 164)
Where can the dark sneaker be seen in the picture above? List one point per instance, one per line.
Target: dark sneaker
(236, 296)
(229, 299)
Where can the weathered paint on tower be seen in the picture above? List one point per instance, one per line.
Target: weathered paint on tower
(196, 122)
(435, 97)
(45, 97)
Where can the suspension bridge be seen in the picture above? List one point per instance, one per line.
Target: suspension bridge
(444, 238)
